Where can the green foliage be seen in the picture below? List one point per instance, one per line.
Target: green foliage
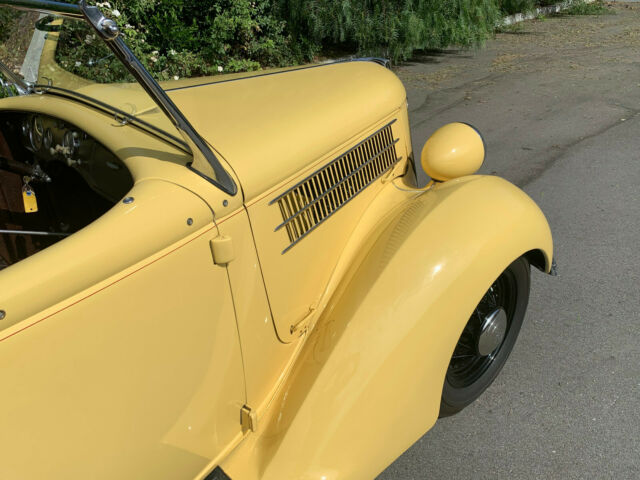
(7, 18)
(82, 53)
(204, 37)
(394, 29)
(6, 89)
(582, 8)
(509, 7)
(183, 38)
(186, 38)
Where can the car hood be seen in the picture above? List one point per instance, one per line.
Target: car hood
(270, 126)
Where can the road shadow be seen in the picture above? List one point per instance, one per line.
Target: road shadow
(435, 56)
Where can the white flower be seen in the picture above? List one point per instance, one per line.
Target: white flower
(172, 52)
(220, 69)
(154, 59)
(116, 13)
(103, 4)
(78, 64)
(128, 26)
(142, 40)
(88, 39)
(155, 53)
(176, 77)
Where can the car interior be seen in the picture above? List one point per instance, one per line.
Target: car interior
(54, 180)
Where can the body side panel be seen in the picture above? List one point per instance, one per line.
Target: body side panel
(368, 381)
(265, 357)
(272, 127)
(138, 376)
(297, 279)
(125, 235)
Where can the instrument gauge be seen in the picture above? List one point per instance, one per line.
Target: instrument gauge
(26, 128)
(36, 134)
(48, 139)
(71, 142)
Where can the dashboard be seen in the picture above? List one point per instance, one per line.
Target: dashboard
(53, 140)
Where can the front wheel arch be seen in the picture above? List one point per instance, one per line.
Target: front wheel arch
(537, 258)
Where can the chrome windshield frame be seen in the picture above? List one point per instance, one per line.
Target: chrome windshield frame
(23, 87)
(46, 6)
(108, 31)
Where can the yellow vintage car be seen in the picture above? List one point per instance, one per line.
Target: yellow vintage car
(239, 276)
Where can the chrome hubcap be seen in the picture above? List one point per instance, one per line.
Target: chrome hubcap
(493, 331)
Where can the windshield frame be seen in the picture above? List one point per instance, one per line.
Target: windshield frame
(108, 31)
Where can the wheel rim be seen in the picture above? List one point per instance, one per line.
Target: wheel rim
(485, 333)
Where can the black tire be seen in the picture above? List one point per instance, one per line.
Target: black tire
(470, 373)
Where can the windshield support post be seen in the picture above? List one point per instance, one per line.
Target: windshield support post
(23, 87)
(108, 30)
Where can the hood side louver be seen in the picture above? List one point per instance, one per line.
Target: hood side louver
(313, 200)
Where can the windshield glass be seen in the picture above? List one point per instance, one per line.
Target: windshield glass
(67, 57)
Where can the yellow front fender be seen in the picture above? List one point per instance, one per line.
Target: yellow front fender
(368, 381)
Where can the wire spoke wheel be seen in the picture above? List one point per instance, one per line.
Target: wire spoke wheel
(487, 339)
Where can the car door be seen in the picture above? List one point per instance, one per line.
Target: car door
(119, 353)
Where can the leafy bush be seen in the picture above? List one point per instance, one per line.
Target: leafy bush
(583, 8)
(183, 38)
(7, 18)
(186, 38)
(510, 7)
(82, 53)
(7, 21)
(390, 28)
(203, 37)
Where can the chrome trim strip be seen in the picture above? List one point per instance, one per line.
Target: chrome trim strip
(380, 61)
(34, 233)
(119, 115)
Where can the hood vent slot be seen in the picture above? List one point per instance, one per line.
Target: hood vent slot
(313, 200)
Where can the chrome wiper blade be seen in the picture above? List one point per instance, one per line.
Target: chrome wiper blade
(18, 82)
(46, 6)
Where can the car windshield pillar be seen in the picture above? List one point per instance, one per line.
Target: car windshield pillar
(14, 79)
(205, 162)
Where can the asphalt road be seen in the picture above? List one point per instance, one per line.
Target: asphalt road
(558, 102)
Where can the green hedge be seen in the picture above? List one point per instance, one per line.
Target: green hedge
(394, 29)
(239, 35)
(227, 35)
(178, 38)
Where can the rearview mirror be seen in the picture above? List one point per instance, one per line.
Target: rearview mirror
(453, 151)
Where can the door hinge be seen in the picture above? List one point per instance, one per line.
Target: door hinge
(222, 250)
(248, 419)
